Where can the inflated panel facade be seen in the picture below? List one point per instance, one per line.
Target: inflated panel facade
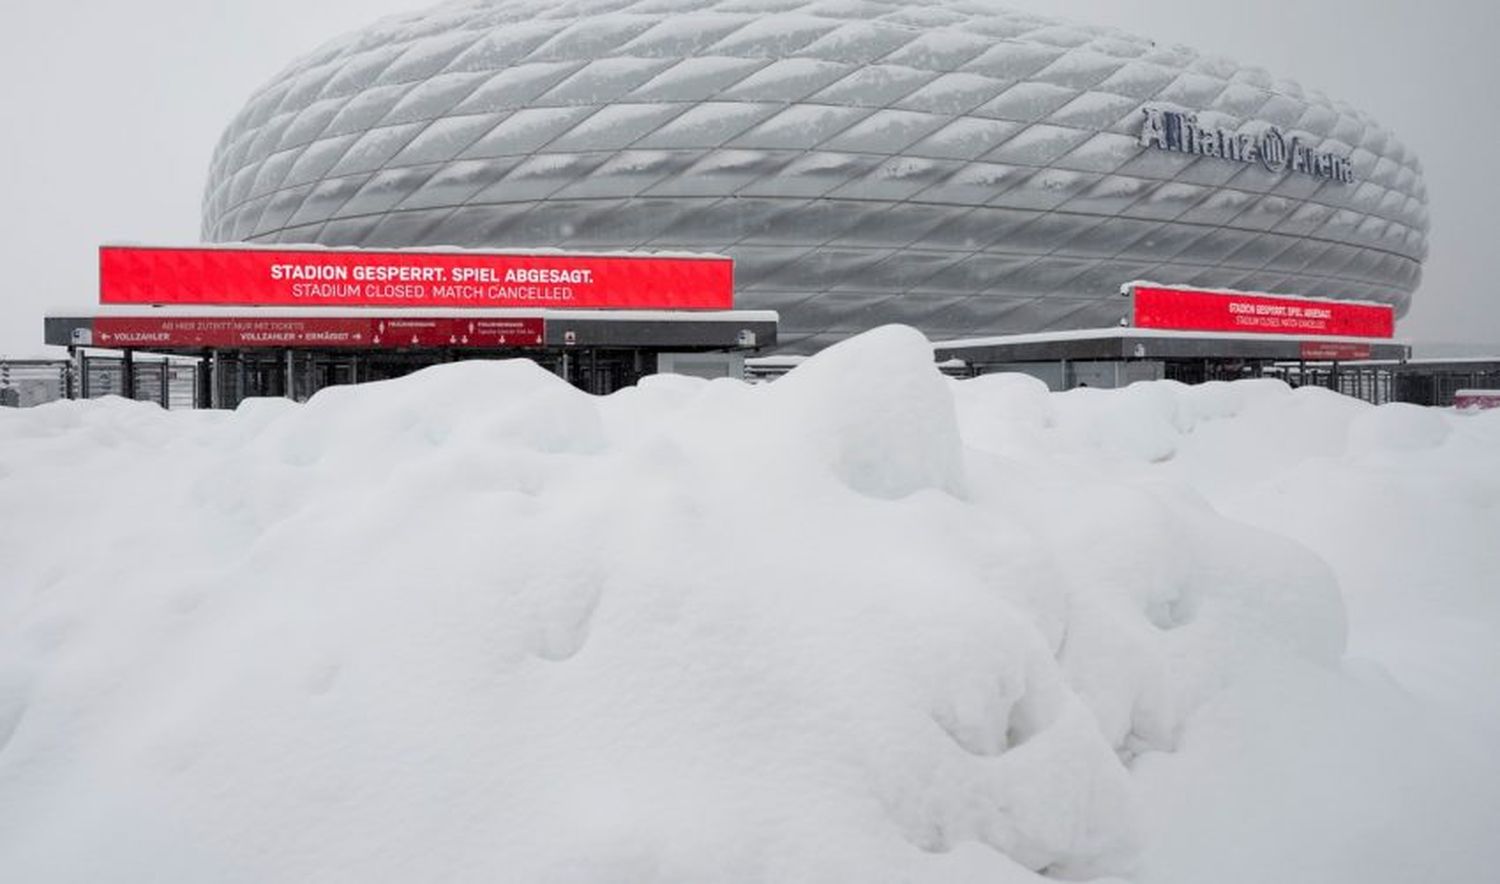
(952, 165)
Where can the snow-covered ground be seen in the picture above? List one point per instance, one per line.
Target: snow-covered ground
(863, 624)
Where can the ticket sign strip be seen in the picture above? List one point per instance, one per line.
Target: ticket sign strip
(1184, 309)
(417, 278)
(1334, 351)
(332, 332)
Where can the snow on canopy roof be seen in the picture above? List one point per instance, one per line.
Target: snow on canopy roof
(424, 250)
(1131, 332)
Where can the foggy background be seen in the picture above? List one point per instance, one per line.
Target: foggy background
(110, 112)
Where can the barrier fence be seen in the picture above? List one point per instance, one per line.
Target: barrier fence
(179, 382)
(169, 382)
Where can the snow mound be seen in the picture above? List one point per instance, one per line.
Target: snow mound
(1397, 427)
(863, 623)
(878, 412)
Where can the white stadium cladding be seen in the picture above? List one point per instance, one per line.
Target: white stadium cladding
(950, 164)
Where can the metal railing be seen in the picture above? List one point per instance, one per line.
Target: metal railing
(27, 382)
(170, 383)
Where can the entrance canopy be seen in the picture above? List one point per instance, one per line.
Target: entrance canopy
(1110, 344)
(1194, 335)
(288, 320)
(250, 297)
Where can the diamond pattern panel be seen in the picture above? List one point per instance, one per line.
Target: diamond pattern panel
(947, 163)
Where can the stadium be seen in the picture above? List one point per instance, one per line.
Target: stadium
(952, 165)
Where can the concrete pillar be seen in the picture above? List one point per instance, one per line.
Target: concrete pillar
(127, 375)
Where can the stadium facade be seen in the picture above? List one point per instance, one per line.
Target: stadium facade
(950, 164)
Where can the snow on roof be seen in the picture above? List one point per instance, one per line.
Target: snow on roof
(1121, 332)
(420, 250)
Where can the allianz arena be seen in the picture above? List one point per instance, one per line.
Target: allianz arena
(948, 164)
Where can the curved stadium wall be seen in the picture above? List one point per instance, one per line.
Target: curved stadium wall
(951, 164)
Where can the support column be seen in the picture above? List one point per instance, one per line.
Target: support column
(127, 374)
(202, 381)
(290, 379)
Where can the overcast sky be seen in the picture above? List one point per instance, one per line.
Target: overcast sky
(111, 110)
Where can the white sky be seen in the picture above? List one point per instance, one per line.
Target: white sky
(111, 111)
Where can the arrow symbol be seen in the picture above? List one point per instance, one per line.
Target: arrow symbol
(413, 339)
(466, 339)
(452, 339)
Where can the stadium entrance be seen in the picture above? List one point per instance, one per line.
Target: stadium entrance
(288, 322)
(1196, 336)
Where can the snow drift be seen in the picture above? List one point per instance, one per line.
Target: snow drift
(862, 624)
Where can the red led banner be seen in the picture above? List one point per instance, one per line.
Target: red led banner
(382, 332)
(1190, 310)
(348, 278)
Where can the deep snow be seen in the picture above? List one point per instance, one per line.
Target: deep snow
(861, 624)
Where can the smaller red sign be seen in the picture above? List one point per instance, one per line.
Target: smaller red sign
(1198, 310)
(499, 332)
(1478, 399)
(412, 332)
(1333, 351)
(250, 332)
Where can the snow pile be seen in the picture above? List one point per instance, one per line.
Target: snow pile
(860, 624)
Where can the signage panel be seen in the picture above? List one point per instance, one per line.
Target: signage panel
(249, 332)
(358, 278)
(1333, 351)
(1181, 132)
(1197, 310)
(1476, 399)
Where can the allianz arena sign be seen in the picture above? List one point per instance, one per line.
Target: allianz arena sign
(1180, 132)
